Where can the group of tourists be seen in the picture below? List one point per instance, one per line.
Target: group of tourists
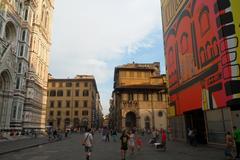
(130, 140)
(56, 134)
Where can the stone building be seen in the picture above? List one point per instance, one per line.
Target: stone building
(139, 98)
(36, 98)
(18, 20)
(73, 103)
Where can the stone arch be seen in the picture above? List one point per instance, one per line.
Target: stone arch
(84, 122)
(5, 81)
(76, 122)
(6, 98)
(147, 122)
(10, 32)
(67, 123)
(131, 120)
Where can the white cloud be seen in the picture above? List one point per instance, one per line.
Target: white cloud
(88, 34)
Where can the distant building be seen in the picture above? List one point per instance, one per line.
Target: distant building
(139, 98)
(73, 103)
(106, 121)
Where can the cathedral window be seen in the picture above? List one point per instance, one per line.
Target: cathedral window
(20, 68)
(26, 14)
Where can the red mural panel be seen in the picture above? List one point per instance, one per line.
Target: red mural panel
(195, 46)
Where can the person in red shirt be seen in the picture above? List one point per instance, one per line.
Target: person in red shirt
(139, 142)
(164, 138)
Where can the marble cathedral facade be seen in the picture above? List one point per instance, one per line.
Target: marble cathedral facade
(23, 76)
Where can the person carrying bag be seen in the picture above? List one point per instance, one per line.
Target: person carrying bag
(88, 143)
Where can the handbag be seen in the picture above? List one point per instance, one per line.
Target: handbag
(85, 140)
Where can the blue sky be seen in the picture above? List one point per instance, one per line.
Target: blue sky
(93, 37)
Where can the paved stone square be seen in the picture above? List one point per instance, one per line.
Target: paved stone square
(71, 149)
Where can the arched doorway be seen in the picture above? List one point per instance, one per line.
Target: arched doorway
(147, 122)
(130, 120)
(67, 123)
(84, 124)
(76, 123)
(5, 81)
(5, 99)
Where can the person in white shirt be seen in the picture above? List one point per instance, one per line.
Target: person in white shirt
(88, 143)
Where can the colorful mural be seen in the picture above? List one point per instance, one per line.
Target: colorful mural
(202, 53)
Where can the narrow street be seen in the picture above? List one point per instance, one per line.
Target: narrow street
(71, 149)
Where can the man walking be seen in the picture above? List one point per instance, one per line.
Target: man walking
(237, 140)
(88, 143)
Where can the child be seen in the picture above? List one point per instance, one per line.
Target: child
(139, 143)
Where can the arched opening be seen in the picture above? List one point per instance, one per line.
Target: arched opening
(130, 120)
(67, 123)
(76, 123)
(147, 123)
(5, 81)
(84, 122)
(5, 99)
(10, 32)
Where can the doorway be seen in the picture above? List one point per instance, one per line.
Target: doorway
(195, 120)
(130, 120)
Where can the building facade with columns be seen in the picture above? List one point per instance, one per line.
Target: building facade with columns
(73, 103)
(17, 23)
(139, 99)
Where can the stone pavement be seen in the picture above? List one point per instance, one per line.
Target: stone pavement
(71, 149)
(20, 144)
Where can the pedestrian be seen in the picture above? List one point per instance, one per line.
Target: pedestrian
(66, 133)
(237, 140)
(124, 144)
(55, 134)
(154, 135)
(103, 134)
(50, 133)
(131, 141)
(114, 135)
(107, 136)
(143, 132)
(88, 143)
(139, 142)
(163, 138)
(229, 146)
(189, 136)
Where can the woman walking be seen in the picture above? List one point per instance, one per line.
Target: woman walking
(124, 144)
(132, 142)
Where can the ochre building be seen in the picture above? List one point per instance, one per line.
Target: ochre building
(139, 99)
(73, 103)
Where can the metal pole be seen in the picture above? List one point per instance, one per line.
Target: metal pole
(153, 116)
